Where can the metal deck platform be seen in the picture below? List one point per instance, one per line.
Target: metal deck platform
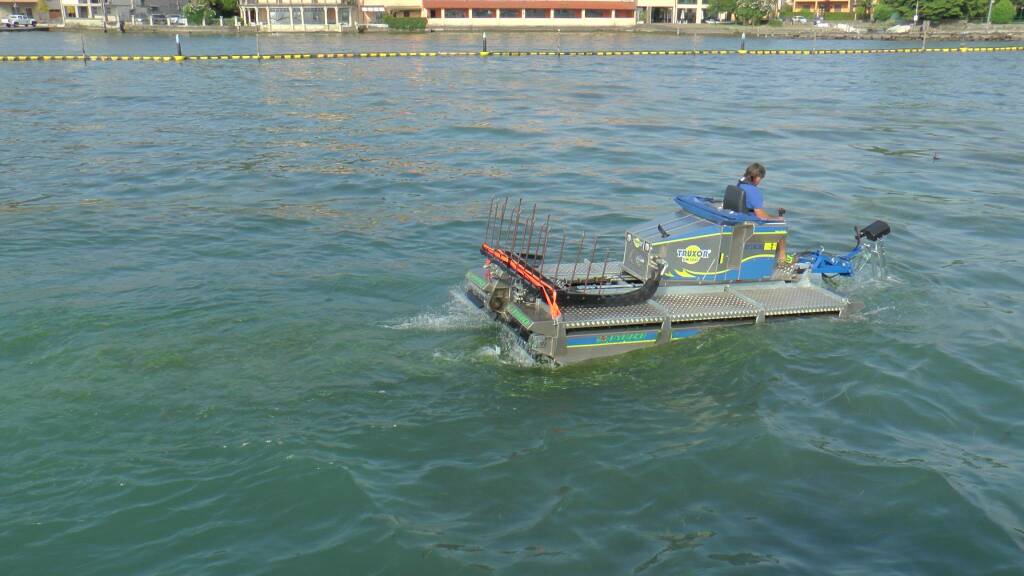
(709, 305)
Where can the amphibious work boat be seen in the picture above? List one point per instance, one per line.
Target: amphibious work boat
(708, 264)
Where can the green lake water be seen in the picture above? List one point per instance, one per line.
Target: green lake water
(232, 341)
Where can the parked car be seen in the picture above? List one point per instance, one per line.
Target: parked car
(15, 20)
(711, 20)
(177, 21)
(799, 20)
(158, 19)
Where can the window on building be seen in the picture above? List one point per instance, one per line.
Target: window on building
(433, 12)
(483, 12)
(313, 16)
(455, 13)
(279, 16)
(511, 13)
(537, 13)
(598, 13)
(623, 13)
(566, 13)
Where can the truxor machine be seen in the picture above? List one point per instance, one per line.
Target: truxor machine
(709, 264)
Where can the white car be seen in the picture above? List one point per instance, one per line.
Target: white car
(15, 20)
(177, 20)
(799, 20)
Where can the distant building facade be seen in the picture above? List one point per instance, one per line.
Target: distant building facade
(299, 15)
(31, 9)
(373, 11)
(119, 10)
(693, 11)
(822, 6)
(655, 11)
(530, 13)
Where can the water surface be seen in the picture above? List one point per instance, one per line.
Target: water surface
(231, 339)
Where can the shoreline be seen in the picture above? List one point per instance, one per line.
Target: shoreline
(949, 33)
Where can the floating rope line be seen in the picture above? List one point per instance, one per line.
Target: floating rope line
(502, 53)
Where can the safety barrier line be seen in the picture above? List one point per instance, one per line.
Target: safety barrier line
(507, 53)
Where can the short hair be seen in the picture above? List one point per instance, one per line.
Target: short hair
(755, 170)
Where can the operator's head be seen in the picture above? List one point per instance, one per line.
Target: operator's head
(754, 174)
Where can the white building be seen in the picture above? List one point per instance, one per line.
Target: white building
(298, 15)
(119, 10)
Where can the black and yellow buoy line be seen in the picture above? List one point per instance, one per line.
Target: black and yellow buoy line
(498, 53)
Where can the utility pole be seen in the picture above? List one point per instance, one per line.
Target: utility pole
(988, 20)
(104, 16)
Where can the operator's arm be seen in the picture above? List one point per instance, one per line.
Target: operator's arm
(760, 213)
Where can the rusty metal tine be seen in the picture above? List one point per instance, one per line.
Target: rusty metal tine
(578, 252)
(515, 230)
(504, 233)
(547, 233)
(487, 231)
(560, 252)
(501, 223)
(529, 239)
(604, 268)
(590, 263)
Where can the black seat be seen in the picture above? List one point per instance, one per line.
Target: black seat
(735, 199)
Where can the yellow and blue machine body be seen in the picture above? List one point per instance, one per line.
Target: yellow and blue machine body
(705, 244)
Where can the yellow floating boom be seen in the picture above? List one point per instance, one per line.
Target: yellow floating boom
(500, 53)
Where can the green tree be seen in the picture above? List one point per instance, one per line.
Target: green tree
(976, 9)
(882, 12)
(753, 11)
(937, 10)
(225, 7)
(1002, 12)
(199, 10)
(934, 10)
(863, 8)
(716, 7)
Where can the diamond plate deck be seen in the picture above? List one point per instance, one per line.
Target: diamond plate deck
(795, 300)
(707, 306)
(580, 317)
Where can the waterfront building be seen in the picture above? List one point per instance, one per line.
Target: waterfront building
(26, 7)
(83, 11)
(298, 15)
(692, 11)
(530, 13)
(822, 6)
(374, 10)
(655, 11)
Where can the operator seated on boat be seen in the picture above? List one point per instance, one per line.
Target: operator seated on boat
(747, 197)
(754, 198)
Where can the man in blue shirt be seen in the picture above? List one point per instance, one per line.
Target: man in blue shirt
(755, 203)
(755, 199)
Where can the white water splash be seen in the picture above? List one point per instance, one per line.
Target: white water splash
(456, 314)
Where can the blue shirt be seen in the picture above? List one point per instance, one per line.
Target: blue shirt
(755, 199)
